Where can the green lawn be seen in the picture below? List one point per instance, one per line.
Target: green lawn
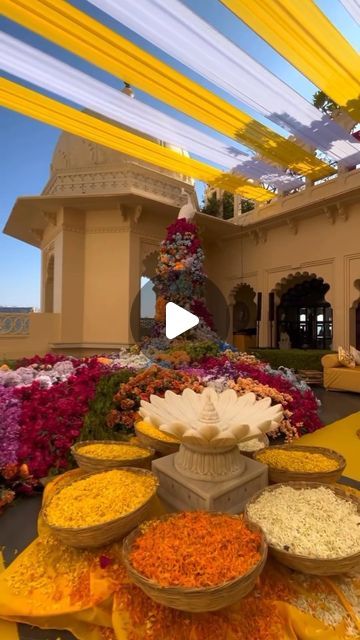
(292, 358)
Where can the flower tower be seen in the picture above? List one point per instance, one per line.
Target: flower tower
(180, 276)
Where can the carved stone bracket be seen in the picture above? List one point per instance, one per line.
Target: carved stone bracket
(262, 235)
(254, 236)
(50, 217)
(137, 213)
(293, 225)
(38, 234)
(129, 213)
(258, 235)
(341, 211)
(124, 211)
(330, 214)
(336, 211)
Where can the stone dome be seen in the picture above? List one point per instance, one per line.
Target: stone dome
(74, 153)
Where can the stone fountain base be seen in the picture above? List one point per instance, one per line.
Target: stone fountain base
(187, 494)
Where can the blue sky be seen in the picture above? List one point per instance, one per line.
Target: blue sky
(29, 144)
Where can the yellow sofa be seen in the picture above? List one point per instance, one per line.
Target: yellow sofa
(338, 377)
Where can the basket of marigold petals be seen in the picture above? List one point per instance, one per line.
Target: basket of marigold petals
(195, 561)
(99, 508)
(150, 436)
(99, 455)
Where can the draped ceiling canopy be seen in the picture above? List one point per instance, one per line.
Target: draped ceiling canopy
(251, 132)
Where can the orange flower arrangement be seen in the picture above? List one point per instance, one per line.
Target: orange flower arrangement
(196, 549)
(153, 380)
(160, 309)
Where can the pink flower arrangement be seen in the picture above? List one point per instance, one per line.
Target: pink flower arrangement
(43, 404)
(51, 419)
(300, 405)
(10, 410)
(49, 359)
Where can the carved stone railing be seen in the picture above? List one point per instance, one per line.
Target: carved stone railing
(14, 324)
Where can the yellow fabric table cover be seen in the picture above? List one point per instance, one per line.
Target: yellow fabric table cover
(89, 594)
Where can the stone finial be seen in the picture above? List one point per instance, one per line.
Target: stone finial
(208, 414)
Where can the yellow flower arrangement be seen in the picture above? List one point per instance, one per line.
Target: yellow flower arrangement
(113, 451)
(153, 432)
(99, 498)
(301, 461)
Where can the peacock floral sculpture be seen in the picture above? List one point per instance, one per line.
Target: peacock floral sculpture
(210, 426)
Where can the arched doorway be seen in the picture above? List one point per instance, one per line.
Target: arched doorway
(305, 315)
(357, 325)
(354, 318)
(147, 294)
(49, 286)
(244, 312)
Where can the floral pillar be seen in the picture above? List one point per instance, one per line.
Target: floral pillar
(180, 276)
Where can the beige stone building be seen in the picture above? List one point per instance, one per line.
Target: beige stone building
(302, 254)
(289, 270)
(98, 223)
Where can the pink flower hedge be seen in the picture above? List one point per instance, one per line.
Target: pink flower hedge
(51, 419)
(40, 421)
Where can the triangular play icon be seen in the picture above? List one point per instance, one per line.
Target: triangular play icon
(178, 320)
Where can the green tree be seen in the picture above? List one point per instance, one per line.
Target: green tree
(247, 205)
(324, 103)
(228, 205)
(211, 206)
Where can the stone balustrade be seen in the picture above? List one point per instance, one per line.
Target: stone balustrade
(14, 324)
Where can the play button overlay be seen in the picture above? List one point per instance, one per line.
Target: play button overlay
(178, 320)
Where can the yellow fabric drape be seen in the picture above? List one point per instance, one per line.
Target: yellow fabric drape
(300, 32)
(36, 105)
(79, 33)
(92, 602)
(8, 630)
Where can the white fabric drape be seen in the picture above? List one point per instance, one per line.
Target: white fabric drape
(353, 7)
(181, 33)
(32, 65)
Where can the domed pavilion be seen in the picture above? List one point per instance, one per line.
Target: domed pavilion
(98, 223)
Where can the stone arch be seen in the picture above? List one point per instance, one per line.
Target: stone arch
(147, 295)
(303, 314)
(242, 299)
(149, 264)
(290, 281)
(49, 284)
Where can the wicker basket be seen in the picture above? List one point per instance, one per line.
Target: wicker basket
(90, 464)
(283, 475)
(102, 534)
(192, 599)
(304, 564)
(252, 453)
(166, 448)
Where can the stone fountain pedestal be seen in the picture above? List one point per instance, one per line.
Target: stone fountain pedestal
(189, 494)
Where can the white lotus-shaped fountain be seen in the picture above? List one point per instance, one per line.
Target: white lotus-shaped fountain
(210, 425)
